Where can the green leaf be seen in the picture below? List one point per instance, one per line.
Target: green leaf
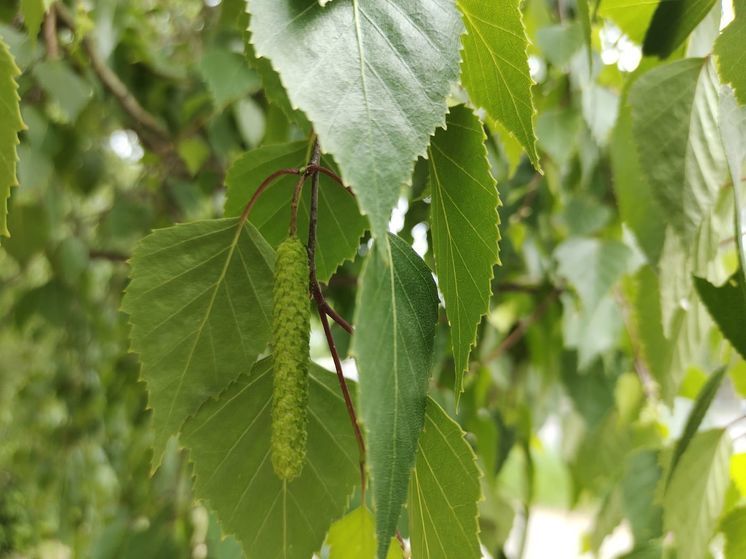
(656, 349)
(227, 76)
(592, 266)
(674, 121)
(701, 405)
(695, 497)
(733, 134)
(727, 307)
(584, 15)
(229, 439)
(199, 302)
(631, 16)
(355, 536)
(732, 527)
(671, 24)
(371, 76)
(495, 67)
(464, 224)
(68, 91)
(729, 50)
(10, 125)
(33, 14)
(637, 207)
(273, 87)
(395, 316)
(638, 491)
(444, 491)
(340, 224)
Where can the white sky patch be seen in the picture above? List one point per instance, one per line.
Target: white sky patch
(213, 3)
(537, 68)
(617, 48)
(126, 145)
(728, 13)
(419, 239)
(396, 223)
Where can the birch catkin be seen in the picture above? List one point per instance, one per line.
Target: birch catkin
(290, 333)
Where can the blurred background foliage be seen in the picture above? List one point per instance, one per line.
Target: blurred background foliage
(562, 402)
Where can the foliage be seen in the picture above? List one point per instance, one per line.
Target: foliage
(552, 316)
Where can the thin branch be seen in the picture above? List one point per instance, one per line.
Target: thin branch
(314, 168)
(294, 204)
(149, 128)
(262, 187)
(109, 255)
(520, 330)
(324, 309)
(50, 35)
(646, 379)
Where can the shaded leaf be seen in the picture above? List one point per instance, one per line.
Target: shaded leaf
(727, 307)
(444, 491)
(393, 343)
(229, 439)
(340, 224)
(695, 496)
(495, 67)
(372, 77)
(200, 303)
(65, 88)
(465, 232)
(10, 125)
(639, 496)
(227, 75)
(671, 24)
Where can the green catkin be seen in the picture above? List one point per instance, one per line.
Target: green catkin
(290, 333)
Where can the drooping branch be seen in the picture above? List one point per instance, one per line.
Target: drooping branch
(325, 310)
(149, 128)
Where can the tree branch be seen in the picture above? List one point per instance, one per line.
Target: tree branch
(50, 35)
(522, 327)
(325, 311)
(149, 128)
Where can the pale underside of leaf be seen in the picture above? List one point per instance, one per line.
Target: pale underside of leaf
(465, 231)
(395, 320)
(372, 76)
(444, 491)
(200, 305)
(229, 440)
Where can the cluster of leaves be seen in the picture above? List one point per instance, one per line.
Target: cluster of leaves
(621, 289)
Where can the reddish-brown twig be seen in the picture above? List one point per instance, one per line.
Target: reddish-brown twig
(314, 168)
(325, 310)
(262, 187)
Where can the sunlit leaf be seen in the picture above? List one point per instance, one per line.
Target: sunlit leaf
(465, 230)
(444, 491)
(10, 125)
(199, 302)
(229, 440)
(495, 67)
